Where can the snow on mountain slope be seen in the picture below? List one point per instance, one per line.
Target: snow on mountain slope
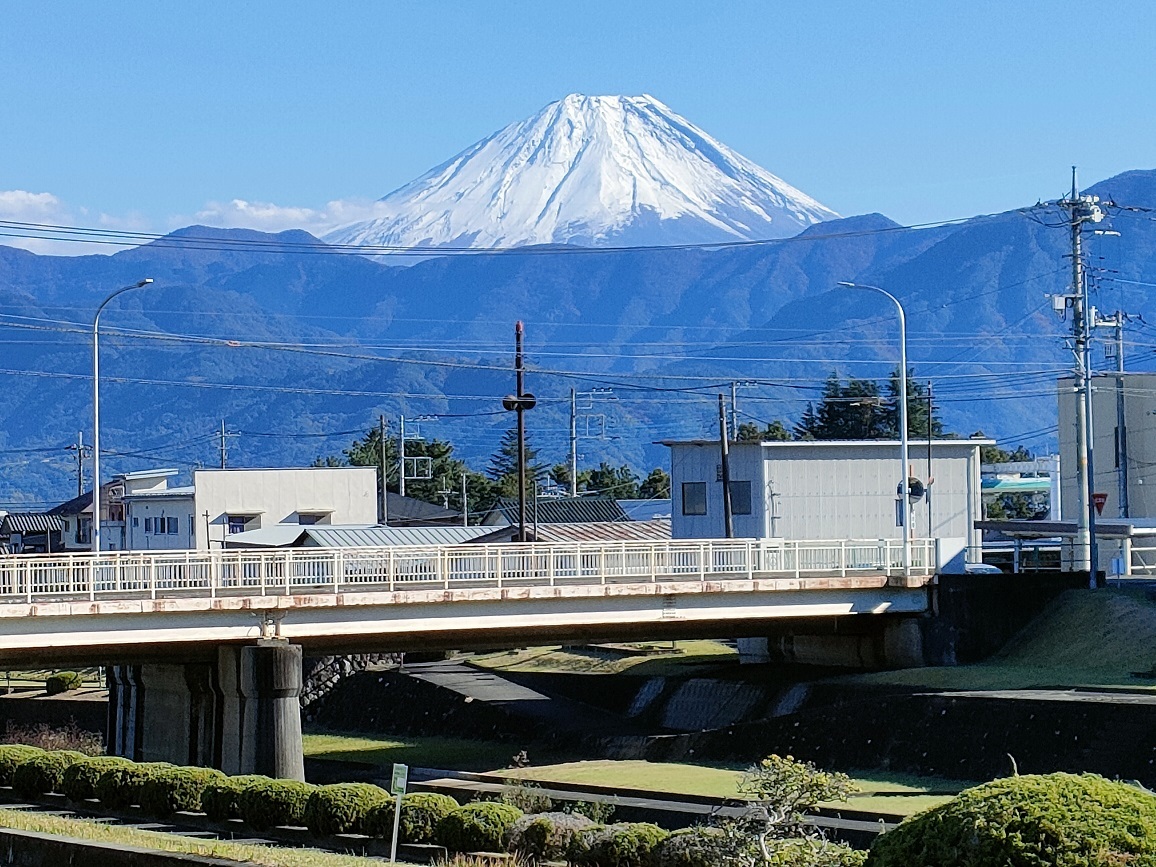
(591, 171)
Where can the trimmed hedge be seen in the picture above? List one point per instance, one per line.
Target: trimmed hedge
(478, 827)
(421, 813)
(220, 799)
(172, 790)
(690, 847)
(121, 786)
(341, 808)
(545, 836)
(816, 853)
(38, 775)
(62, 681)
(625, 844)
(268, 803)
(80, 778)
(1053, 819)
(11, 757)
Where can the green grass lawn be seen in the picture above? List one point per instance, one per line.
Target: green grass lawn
(1083, 639)
(265, 856)
(670, 659)
(456, 754)
(893, 794)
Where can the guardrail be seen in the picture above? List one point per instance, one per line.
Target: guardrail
(160, 574)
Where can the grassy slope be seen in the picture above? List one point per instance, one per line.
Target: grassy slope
(266, 856)
(457, 754)
(1084, 638)
(684, 658)
(899, 795)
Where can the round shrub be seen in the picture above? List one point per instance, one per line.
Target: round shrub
(220, 798)
(1060, 819)
(62, 681)
(44, 773)
(478, 827)
(545, 836)
(79, 780)
(269, 803)
(11, 757)
(421, 813)
(170, 790)
(120, 786)
(341, 808)
(625, 844)
(690, 847)
(815, 853)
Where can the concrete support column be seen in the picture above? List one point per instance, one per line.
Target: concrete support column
(271, 727)
(124, 703)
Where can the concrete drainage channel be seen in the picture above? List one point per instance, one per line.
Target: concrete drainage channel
(195, 825)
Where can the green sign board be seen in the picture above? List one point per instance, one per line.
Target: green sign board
(400, 777)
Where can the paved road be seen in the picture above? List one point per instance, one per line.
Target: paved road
(1064, 695)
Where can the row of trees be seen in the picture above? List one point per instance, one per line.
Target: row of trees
(445, 471)
(856, 410)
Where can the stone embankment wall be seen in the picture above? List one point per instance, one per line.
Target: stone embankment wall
(322, 674)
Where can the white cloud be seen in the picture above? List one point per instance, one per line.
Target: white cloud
(270, 217)
(24, 207)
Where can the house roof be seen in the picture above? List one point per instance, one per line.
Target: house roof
(408, 510)
(646, 510)
(562, 510)
(177, 493)
(622, 531)
(351, 536)
(75, 506)
(30, 522)
(913, 443)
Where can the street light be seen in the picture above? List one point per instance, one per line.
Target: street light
(96, 411)
(905, 503)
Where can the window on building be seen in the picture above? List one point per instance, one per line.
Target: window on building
(83, 531)
(308, 519)
(148, 525)
(740, 498)
(172, 527)
(238, 523)
(694, 498)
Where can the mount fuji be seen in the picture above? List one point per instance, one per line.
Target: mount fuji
(590, 171)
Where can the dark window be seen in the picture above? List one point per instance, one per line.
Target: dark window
(740, 498)
(172, 528)
(148, 525)
(307, 520)
(694, 498)
(237, 523)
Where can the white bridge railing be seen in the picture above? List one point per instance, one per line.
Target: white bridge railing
(137, 574)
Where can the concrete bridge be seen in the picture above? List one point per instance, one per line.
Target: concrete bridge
(207, 645)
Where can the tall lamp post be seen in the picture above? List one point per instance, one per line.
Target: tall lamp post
(905, 503)
(96, 410)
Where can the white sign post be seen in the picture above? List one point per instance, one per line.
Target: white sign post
(397, 789)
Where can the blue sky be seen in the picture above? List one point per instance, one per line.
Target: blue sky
(154, 115)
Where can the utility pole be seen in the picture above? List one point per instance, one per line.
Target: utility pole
(735, 408)
(224, 446)
(1121, 419)
(384, 471)
(401, 458)
(573, 443)
(82, 452)
(724, 446)
(465, 502)
(930, 478)
(1083, 209)
(518, 403)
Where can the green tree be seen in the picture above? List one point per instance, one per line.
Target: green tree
(656, 486)
(916, 408)
(854, 411)
(621, 483)
(808, 426)
(749, 432)
(503, 469)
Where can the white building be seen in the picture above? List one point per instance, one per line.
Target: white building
(238, 500)
(826, 490)
(155, 516)
(1136, 392)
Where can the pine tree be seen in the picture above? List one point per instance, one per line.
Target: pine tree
(503, 469)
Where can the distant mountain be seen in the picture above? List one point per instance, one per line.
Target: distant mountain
(591, 171)
(299, 350)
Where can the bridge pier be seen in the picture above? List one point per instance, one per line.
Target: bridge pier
(241, 714)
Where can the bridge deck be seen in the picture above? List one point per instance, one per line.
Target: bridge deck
(308, 571)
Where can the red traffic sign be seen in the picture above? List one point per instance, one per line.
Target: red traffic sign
(1098, 501)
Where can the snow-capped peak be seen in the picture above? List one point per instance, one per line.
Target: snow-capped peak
(594, 171)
